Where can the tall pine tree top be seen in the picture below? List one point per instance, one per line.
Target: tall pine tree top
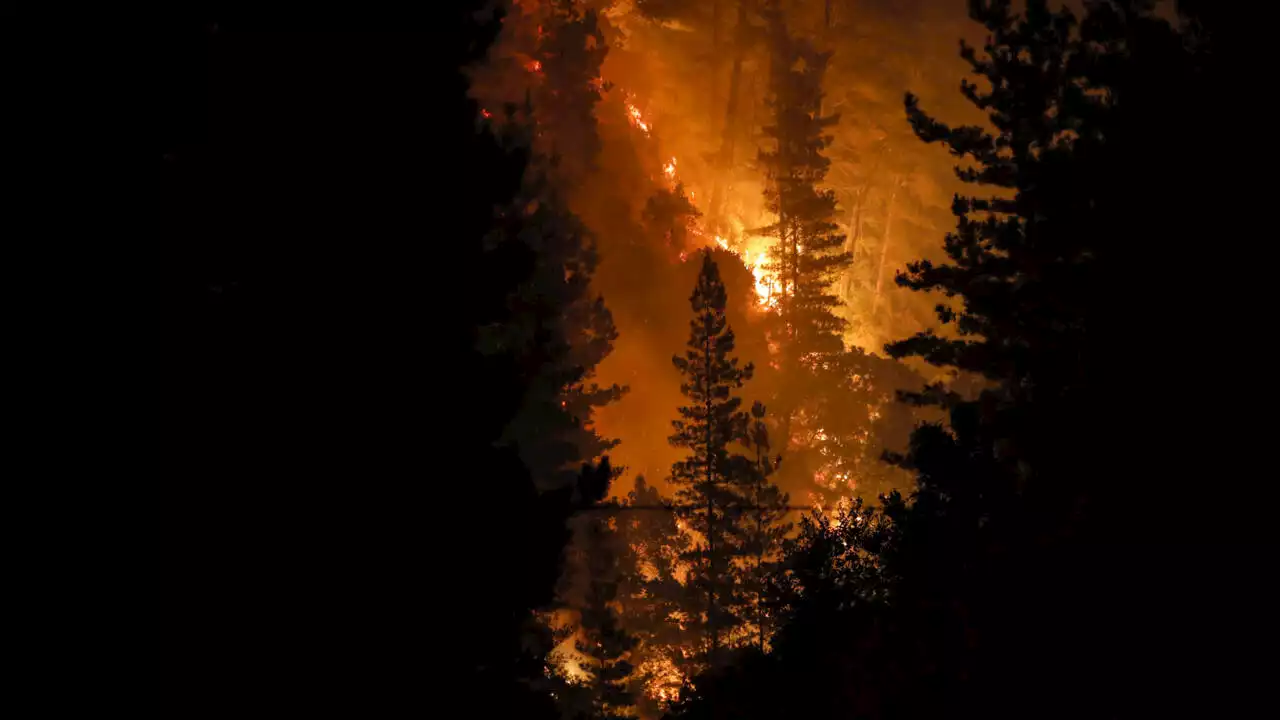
(1019, 254)
(714, 418)
(808, 258)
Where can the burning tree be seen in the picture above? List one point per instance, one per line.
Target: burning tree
(830, 399)
(808, 258)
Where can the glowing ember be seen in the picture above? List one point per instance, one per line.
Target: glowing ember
(670, 169)
(633, 114)
(486, 113)
(533, 66)
(663, 679)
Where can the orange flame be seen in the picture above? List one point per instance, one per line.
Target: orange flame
(633, 114)
(766, 286)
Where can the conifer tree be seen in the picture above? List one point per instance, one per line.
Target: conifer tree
(669, 214)
(651, 595)
(712, 479)
(1020, 256)
(602, 638)
(808, 258)
(546, 70)
(561, 331)
(830, 400)
(764, 529)
(567, 86)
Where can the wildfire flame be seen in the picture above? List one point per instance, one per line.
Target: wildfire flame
(663, 679)
(633, 114)
(766, 286)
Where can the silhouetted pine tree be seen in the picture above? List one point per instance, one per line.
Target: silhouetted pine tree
(567, 86)
(808, 258)
(764, 529)
(652, 594)
(560, 329)
(602, 638)
(712, 479)
(829, 399)
(668, 214)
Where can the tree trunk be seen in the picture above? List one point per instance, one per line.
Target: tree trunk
(711, 537)
(760, 461)
(855, 236)
(724, 159)
(884, 249)
(715, 54)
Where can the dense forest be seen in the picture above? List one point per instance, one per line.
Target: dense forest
(709, 359)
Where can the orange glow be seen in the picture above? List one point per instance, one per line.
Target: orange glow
(766, 284)
(633, 114)
(670, 169)
(533, 66)
(662, 679)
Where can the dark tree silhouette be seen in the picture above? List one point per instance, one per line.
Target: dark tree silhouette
(764, 530)
(808, 258)
(651, 594)
(560, 329)
(604, 640)
(832, 413)
(711, 479)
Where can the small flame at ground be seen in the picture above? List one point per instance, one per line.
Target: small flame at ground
(670, 169)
